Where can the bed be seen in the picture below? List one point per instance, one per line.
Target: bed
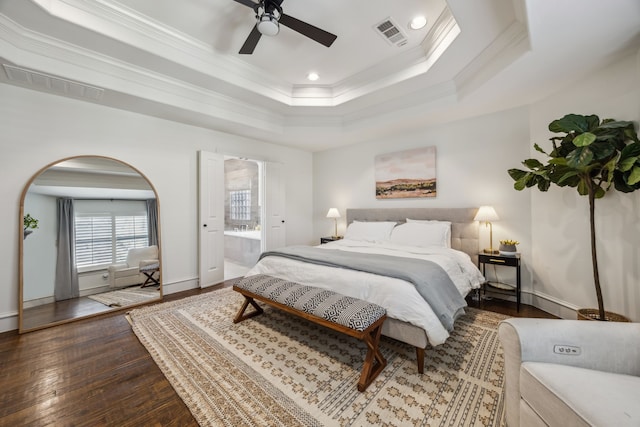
(411, 319)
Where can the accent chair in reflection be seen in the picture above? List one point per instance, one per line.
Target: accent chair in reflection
(128, 273)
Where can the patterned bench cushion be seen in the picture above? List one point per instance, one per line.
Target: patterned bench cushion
(332, 306)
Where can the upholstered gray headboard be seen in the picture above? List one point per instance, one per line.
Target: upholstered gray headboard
(464, 230)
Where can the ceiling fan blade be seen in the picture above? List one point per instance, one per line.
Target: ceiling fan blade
(321, 36)
(247, 3)
(251, 41)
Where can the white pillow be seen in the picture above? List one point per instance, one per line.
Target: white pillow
(446, 223)
(422, 234)
(374, 231)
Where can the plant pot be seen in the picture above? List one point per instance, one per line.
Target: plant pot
(508, 250)
(593, 314)
(26, 233)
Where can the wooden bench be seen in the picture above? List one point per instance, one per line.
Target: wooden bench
(350, 316)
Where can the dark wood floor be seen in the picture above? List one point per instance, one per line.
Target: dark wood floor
(95, 372)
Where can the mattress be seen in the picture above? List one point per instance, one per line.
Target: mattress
(400, 298)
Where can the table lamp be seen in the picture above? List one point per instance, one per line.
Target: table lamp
(333, 213)
(487, 214)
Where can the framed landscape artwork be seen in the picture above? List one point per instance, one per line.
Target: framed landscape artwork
(406, 174)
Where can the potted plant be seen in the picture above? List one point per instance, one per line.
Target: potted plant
(508, 247)
(590, 157)
(30, 224)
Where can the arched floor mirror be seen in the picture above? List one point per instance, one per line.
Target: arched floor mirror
(89, 241)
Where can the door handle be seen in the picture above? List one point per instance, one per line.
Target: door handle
(204, 225)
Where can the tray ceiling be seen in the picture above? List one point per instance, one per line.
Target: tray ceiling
(180, 61)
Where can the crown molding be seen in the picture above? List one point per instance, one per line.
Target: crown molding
(118, 22)
(60, 59)
(504, 50)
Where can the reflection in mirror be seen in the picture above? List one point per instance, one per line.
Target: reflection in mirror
(90, 241)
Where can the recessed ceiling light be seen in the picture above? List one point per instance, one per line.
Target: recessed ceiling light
(418, 22)
(313, 76)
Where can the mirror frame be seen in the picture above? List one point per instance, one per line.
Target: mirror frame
(27, 186)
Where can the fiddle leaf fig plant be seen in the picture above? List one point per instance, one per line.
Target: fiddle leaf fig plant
(591, 156)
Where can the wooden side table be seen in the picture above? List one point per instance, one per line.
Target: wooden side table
(505, 260)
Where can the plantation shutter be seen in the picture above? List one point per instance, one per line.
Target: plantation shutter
(94, 240)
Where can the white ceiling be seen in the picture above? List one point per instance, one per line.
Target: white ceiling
(89, 177)
(178, 60)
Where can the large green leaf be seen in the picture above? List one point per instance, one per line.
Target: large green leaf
(584, 139)
(558, 161)
(516, 174)
(521, 184)
(602, 150)
(543, 184)
(630, 134)
(580, 158)
(627, 164)
(615, 124)
(609, 169)
(583, 187)
(532, 163)
(631, 150)
(634, 177)
(566, 176)
(571, 123)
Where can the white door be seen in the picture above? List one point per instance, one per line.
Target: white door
(274, 207)
(211, 218)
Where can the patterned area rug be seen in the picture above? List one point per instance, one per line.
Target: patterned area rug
(125, 297)
(279, 370)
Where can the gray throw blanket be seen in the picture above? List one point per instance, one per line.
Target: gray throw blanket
(430, 280)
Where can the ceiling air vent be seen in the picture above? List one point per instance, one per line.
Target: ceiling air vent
(391, 32)
(51, 83)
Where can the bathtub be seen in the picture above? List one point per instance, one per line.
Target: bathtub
(242, 247)
(249, 234)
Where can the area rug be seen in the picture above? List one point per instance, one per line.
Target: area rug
(126, 297)
(279, 370)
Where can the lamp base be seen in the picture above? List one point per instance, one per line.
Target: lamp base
(491, 251)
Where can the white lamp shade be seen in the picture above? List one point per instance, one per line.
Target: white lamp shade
(333, 213)
(486, 214)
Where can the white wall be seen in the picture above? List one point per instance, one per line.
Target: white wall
(472, 159)
(40, 248)
(560, 227)
(473, 156)
(38, 129)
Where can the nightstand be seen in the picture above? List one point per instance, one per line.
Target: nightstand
(501, 288)
(324, 240)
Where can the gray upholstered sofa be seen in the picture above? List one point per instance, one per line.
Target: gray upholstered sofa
(571, 373)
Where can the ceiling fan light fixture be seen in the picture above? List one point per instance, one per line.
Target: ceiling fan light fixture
(418, 22)
(268, 22)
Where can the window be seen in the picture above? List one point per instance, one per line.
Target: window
(240, 205)
(104, 238)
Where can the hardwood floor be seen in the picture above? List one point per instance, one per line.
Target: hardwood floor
(95, 372)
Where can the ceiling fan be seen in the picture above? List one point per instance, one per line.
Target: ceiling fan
(269, 16)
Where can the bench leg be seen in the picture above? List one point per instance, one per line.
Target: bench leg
(420, 357)
(374, 362)
(241, 316)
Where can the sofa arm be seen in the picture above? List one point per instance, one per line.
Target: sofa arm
(603, 346)
(116, 267)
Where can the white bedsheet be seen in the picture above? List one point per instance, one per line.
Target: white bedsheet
(400, 298)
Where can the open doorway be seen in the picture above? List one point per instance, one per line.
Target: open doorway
(243, 217)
